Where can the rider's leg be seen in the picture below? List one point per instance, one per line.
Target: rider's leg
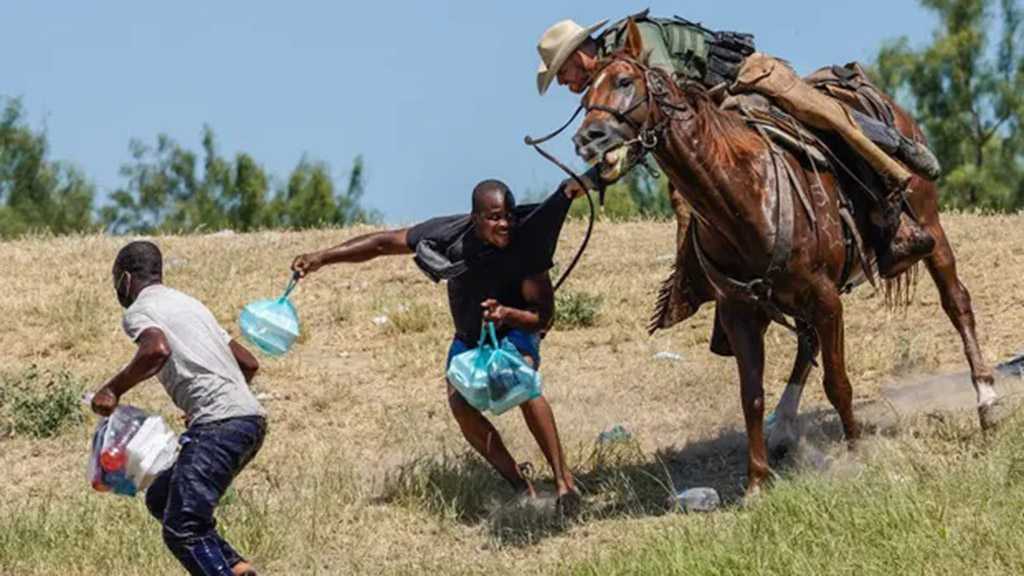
(908, 242)
(913, 154)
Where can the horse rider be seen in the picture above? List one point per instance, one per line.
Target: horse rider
(688, 51)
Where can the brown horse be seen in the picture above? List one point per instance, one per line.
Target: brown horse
(763, 257)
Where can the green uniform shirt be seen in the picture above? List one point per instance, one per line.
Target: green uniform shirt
(676, 47)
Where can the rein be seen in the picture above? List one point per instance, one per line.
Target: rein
(535, 143)
(646, 137)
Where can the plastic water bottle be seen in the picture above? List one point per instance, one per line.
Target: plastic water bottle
(120, 483)
(510, 386)
(99, 486)
(702, 499)
(115, 456)
(501, 381)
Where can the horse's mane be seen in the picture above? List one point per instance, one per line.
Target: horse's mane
(724, 135)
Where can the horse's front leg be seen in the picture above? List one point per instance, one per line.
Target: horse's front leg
(745, 324)
(782, 426)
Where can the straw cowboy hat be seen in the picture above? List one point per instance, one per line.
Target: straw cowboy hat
(556, 45)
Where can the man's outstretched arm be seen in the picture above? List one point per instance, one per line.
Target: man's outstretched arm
(358, 249)
(149, 359)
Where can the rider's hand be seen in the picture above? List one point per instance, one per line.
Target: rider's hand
(494, 312)
(306, 263)
(104, 401)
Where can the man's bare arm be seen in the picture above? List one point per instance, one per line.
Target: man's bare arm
(358, 249)
(247, 363)
(540, 300)
(149, 359)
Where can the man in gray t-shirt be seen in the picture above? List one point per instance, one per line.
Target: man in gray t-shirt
(201, 375)
(207, 375)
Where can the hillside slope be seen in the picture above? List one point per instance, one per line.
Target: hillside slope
(364, 470)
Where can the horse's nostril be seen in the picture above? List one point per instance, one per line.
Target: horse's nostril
(595, 134)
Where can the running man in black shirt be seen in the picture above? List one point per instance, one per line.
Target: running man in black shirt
(496, 263)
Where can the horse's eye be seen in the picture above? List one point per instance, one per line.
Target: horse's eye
(624, 82)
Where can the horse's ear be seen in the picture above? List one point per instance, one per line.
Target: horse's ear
(634, 46)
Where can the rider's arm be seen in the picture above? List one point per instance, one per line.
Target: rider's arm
(540, 306)
(358, 249)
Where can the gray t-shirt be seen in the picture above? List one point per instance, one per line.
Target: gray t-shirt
(202, 375)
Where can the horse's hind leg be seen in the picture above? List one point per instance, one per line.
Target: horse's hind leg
(828, 321)
(782, 426)
(956, 301)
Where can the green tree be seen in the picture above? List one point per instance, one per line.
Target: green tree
(167, 190)
(350, 204)
(247, 198)
(35, 192)
(310, 196)
(310, 199)
(159, 180)
(967, 90)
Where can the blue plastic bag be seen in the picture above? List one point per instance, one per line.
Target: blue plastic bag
(271, 325)
(494, 376)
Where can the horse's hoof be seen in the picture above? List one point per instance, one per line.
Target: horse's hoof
(751, 495)
(991, 415)
(783, 436)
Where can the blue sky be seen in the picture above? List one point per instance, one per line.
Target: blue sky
(436, 96)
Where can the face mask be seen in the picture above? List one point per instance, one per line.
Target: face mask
(124, 297)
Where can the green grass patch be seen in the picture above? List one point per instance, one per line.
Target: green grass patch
(576, 310)
(411, 319)
(911, 512)
(39, 403)
(266, 515)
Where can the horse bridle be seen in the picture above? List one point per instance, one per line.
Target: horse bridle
(649, 131)
(647, 138)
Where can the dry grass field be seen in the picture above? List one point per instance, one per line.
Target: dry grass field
(365, 472)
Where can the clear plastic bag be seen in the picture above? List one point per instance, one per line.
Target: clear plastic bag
(129, 450)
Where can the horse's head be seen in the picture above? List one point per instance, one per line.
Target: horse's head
(620, 110)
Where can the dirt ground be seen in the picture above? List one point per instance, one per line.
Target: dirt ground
(362, 403)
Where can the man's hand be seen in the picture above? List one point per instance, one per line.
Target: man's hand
(104, 401)
(572, 189)
(494, 312)
(306, 264)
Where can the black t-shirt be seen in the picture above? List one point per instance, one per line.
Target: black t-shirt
(493, 273)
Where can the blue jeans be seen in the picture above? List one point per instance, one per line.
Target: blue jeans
(528, 344)
(183, 497)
